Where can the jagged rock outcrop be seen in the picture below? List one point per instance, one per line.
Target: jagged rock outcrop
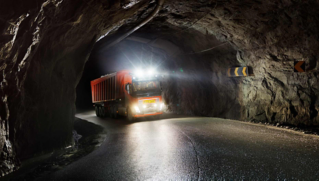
(43, 49)
(268, 37)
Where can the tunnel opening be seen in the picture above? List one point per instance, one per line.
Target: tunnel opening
(194, 68)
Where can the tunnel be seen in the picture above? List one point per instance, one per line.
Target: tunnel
(50, 50)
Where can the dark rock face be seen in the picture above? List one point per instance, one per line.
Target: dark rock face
(43, 49)
(45, 44)
(268, 37)
(279, 33)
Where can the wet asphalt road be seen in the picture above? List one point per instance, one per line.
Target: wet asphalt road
(195, 148)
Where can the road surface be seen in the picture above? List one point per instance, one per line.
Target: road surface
(195, 148)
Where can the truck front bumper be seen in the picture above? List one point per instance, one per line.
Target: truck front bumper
(147, 114)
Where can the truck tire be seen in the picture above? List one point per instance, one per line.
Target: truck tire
(109, 112)
(130, 117)
(97, 111)
(114, 112)
(102, 112)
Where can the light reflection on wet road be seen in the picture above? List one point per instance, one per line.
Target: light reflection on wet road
(195, 149)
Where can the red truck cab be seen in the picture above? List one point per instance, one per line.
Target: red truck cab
(127, 93)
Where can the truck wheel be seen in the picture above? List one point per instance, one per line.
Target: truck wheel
(114, 112)
(130, 115)
(102, 112)
(97, 111)
(109, 112)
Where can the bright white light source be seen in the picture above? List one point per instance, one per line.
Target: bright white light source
(155, 105)
(144, 106)
(139, 73)
(151, 71)
(162, 105)
(137, 109)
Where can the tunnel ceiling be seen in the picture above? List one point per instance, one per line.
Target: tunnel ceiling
(44, 46)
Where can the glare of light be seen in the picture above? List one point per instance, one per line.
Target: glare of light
(144, 106)
(161, 106)
(139, 73)
(151, 71)
(155, 105)
(137, 109)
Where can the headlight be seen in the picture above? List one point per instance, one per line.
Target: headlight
(139, 73)
(161, 106)
(137, 109)
(151, 71)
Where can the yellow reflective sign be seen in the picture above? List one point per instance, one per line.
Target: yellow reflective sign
(149, 101)
(244, 71)
(236, 71)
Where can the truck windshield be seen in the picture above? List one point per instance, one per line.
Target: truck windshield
(146, 86)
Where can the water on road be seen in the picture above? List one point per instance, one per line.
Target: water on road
(195, 148)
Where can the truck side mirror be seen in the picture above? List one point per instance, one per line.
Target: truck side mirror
(127, 88)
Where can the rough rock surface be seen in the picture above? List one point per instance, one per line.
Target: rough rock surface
(265, 36)
(268, 37)
(44, 46)
(43, 49)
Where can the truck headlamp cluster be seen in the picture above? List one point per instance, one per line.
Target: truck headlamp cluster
(139, 73)
(137, 109)
(151, 71)
(161, 106)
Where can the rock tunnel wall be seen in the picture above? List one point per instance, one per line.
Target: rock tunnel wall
(44, 46)
(268, 37)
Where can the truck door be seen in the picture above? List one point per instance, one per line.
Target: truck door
(127, 80)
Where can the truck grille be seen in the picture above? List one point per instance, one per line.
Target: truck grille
(150, 107)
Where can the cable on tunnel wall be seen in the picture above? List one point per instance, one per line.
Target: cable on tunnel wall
(148, 19)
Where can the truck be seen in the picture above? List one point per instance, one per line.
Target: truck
(133, 94)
